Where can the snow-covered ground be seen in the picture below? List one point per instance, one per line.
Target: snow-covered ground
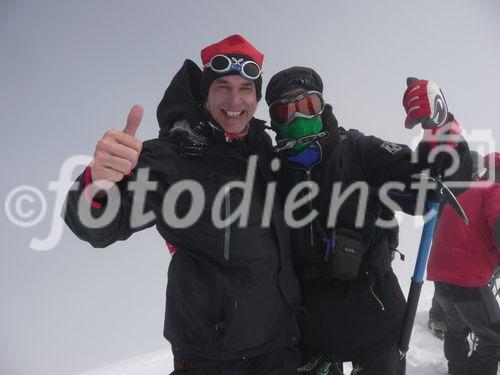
(425, 357)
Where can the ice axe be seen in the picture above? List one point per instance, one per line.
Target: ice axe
(441, 194)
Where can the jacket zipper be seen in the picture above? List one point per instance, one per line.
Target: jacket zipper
(311, 231)
(227, 230)
(308, 175)
(227, 205)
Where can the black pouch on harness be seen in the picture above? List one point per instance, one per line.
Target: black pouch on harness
(344, 252)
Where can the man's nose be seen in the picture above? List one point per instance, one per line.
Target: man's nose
(235, 97)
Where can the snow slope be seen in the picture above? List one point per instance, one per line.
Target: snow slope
(425, 357)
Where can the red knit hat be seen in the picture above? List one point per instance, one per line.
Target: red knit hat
(232, 46)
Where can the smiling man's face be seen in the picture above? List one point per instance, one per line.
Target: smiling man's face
(232, 102)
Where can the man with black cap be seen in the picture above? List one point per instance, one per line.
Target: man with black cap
(232, 292)
(352, 300)
(462, 262)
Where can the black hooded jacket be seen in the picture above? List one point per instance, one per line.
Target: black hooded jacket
(358, 316)
(232, 291)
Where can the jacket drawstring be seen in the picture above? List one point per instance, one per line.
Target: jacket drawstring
(377, 298)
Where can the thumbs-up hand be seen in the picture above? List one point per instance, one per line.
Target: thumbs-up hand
(117, 152)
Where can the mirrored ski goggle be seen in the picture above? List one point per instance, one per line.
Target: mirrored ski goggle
(222, 64)
(307, 105)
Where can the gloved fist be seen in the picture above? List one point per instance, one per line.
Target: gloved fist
(424, 103)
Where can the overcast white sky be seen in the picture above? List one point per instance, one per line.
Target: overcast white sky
(69, 70)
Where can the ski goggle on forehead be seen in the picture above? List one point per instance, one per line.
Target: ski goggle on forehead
(222, 64)
(307, 105)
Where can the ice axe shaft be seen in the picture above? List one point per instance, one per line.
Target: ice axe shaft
(418, 277)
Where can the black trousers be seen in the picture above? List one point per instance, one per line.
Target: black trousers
(279, 362)
(436, 311)
(469, 309)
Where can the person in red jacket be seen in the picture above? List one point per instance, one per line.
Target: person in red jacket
(462, 261)
(436, 322)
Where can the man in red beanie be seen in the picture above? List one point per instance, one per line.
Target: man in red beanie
(462, 261)
(232, 292)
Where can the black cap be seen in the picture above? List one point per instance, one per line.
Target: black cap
(293, 78)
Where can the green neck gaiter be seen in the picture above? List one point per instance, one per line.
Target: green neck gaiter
(300, 127)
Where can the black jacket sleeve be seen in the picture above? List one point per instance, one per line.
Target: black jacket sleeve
(384, 161)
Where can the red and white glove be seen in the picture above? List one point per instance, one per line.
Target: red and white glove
(424, 103)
